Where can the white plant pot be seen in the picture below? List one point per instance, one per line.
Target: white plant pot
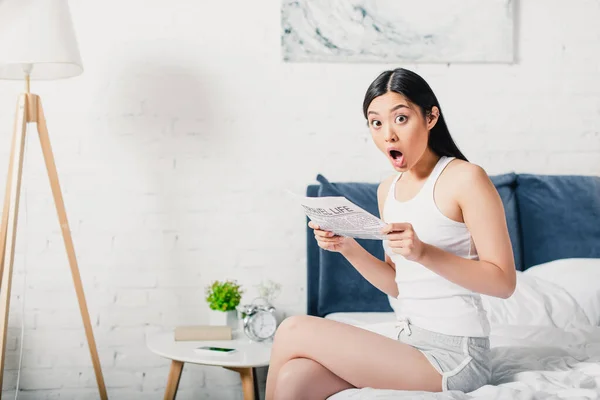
(227, 318)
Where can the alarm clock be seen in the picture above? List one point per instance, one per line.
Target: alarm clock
(259, 321)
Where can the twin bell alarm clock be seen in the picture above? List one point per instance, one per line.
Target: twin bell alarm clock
(259, 321)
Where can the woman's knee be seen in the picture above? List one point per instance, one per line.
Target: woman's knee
(291, 325)
(293, 378)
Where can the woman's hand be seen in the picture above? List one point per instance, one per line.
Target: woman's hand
(404, 241)
(327, 240)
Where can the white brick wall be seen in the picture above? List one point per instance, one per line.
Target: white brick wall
(174, 149)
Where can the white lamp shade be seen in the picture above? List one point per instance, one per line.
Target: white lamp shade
(37, 35)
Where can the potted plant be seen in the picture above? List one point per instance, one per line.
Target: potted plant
(269, 290)
(223, 298)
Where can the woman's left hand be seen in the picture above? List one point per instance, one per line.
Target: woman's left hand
(404, 240)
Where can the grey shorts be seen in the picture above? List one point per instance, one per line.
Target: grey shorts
(463, 361)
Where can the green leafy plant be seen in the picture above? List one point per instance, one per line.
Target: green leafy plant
(224, 296)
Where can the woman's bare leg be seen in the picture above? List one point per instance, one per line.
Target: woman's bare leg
(359, 357)
(305, 379)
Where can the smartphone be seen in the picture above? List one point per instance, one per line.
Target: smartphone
(213, 349)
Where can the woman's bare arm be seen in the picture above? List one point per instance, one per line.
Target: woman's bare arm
(494, 274)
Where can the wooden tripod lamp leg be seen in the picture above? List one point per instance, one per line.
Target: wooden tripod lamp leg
(8, 233)
(66, 233)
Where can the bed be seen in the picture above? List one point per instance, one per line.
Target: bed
(545, 338)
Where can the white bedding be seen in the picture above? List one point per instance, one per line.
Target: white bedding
(551, 356)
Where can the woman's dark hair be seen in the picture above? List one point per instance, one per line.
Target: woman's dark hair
(417, 91)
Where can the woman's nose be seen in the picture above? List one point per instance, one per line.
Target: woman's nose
(390, 135)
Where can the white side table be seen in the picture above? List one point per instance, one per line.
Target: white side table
(249, 355)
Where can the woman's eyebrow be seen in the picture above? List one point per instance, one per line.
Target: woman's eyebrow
(398, 107)
(391, 110)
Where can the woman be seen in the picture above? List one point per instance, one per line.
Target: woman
(446, 243)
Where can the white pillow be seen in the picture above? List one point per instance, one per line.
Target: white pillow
(580, 277)
(535, 302)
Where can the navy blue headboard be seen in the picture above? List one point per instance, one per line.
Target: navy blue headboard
(548, 218)
(312, 262)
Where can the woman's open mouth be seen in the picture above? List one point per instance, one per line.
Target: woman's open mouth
(397, 158)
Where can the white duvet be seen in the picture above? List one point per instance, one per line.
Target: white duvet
(543, 347)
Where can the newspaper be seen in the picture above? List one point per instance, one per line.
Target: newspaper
(342, 217)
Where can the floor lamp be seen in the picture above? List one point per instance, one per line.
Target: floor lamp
(37, 41)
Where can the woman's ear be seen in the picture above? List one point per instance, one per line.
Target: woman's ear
(432, 117)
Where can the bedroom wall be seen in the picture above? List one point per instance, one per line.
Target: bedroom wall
(175, 148)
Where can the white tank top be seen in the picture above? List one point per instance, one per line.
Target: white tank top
(425, 298)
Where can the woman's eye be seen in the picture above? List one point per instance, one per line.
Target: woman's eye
(400, 119)
(376, 123)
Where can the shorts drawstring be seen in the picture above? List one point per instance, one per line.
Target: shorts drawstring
(404, 325)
